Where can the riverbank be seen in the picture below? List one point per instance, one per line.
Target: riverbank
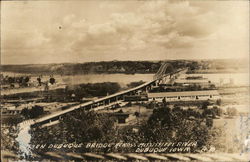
(220, 79)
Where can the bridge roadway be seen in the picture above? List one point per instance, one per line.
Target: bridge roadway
(116, 97)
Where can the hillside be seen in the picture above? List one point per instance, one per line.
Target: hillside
(128, 67)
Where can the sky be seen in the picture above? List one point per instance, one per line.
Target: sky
(39, 32)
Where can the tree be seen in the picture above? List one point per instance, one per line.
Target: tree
(193, 66)
(218, 111)
(205, 105)
(52, 80)
(79, 127)
(11, 80)
(212, 86)
(137, 114)
(164, 101)
(25, 112)
(176, 125)
(26, 79)
(20, 80)
(12, 120)
(218, 102)
(36, 111)
(39, 81)
(209, 122)
(32, 113)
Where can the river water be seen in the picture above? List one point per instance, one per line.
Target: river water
(237, 78)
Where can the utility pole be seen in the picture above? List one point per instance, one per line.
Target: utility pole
(139, 114)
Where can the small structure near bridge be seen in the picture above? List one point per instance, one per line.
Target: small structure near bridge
(184, 95)
(121, 116)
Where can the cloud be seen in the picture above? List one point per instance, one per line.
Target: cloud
(96, 37)
(153, 22)
(19, 39)
(133, 27)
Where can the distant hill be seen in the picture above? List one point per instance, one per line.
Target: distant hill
(127, 67)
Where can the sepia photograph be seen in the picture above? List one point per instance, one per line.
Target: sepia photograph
(125, 80)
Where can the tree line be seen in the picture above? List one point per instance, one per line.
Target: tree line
(164, 125)
(129, 67)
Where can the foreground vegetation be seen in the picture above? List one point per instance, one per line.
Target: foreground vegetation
(164, 125)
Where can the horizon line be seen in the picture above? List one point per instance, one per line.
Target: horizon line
(2, 64)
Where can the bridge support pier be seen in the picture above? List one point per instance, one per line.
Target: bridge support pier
(157, 83)
(148, 88)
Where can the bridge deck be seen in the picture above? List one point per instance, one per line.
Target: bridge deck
(91, 102)
(57, 114)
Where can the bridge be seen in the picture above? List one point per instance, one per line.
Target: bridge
(107, 101)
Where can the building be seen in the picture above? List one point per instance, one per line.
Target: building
(202, 82)
(121, 117)
(184, 96)
(11, 110)
(193, 80)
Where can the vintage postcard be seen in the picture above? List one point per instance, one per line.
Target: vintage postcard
(133, 80)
